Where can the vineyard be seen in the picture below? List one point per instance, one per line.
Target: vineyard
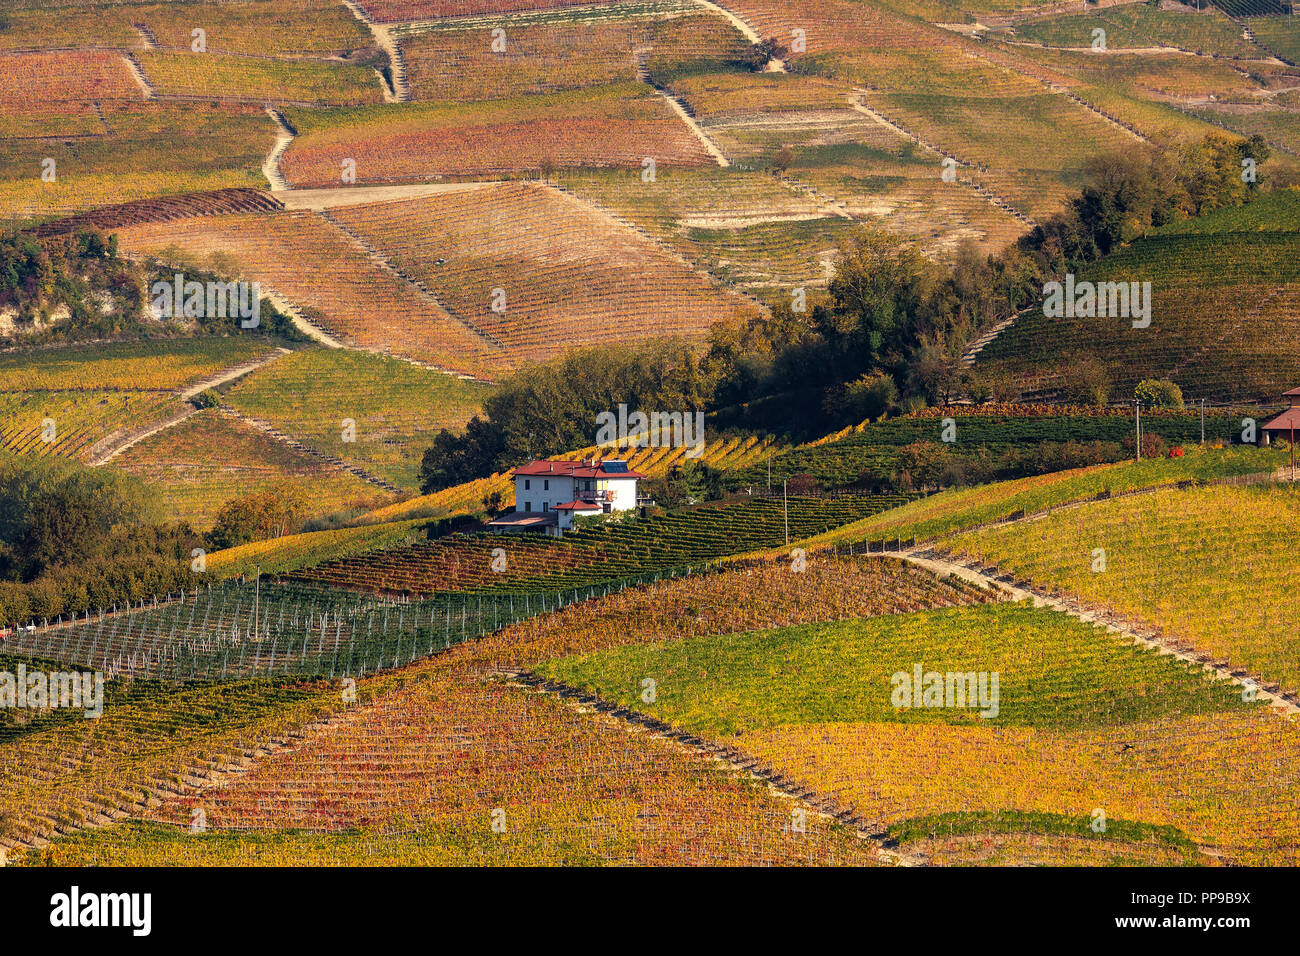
(151, 365)
(1224, 309)
(564, 53)
(1203, 565)
(433, 729)
(983, 626)
(610, 126)
(201, 463)
(333, 283)
(517, 263)
(395, 408)
(277, 555)
(873, 451)
(744, 228)
(1084, 721)
(587, 557)
(1139, 25)
(389, 11)
(961, 508)
(722, 454)
(1281, 35)
(457, 772)
(141, 149)
(258, 80)
(77, 423)
(289, 28)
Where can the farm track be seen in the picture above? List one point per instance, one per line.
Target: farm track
(684, 114)
(327, 337)
(285, 136)
(729, 758)
(339, 464)
(318, 200)
(972, 351)
(399, 91)
(100, 455)
(137, 72)
(147, 36)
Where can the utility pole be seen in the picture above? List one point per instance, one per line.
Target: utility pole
(1137, 425)
(785, 502)
(769, 471)
(257, 593)
(1202, 423)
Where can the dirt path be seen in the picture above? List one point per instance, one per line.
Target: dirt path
(105, 455)
(317, 200)
(753, 36)
(719, 157)
(399, 91)
(137, 72)
(271, 167)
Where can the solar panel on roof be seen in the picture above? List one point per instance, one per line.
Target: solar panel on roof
(615, 467)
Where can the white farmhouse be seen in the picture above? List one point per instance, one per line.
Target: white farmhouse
(549, 493)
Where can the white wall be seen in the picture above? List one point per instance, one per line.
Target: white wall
(560, 491)
(624, 490)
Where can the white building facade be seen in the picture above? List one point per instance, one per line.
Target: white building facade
(549, 494)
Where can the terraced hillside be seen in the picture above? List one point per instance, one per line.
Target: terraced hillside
(84, 402)
(210, 458)
(440, 738)
(979, 436)
(1224, 312)
(588, 557)
(394, 408)
(522, 265)
(615, 126)
(1191, 562)
(1162, 756)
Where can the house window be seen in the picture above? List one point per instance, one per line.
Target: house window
(546, 484)
(546, 506)
(528, 506)
(527, 484)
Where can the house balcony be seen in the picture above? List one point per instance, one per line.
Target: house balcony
(596, 497)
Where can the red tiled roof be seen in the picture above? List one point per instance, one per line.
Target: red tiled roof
(572, 469)
(1288, 420)
(1295, 392)
(577, 506)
